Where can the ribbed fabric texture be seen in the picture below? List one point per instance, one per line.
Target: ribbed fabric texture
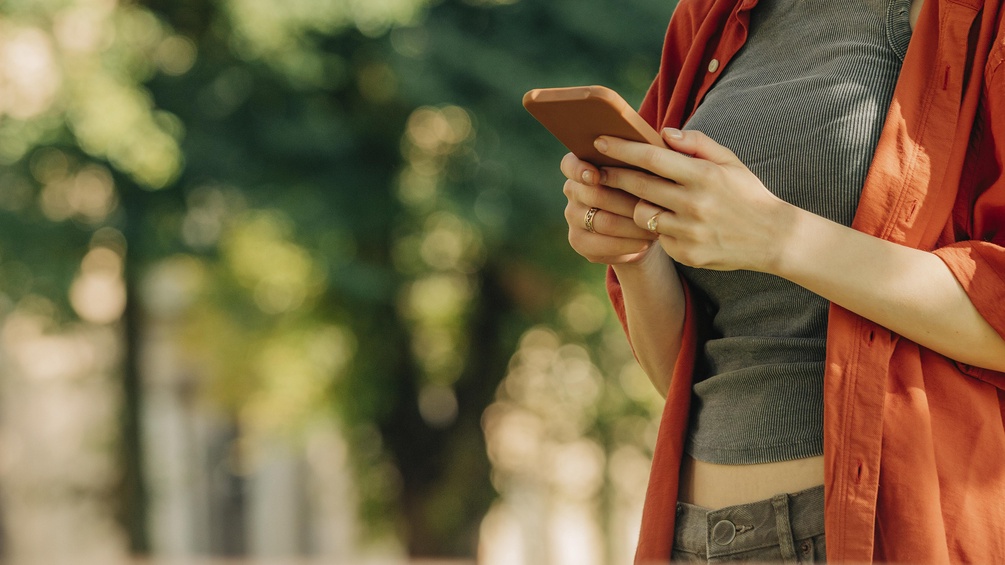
(802, 105)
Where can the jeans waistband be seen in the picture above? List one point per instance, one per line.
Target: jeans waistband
(746, 527)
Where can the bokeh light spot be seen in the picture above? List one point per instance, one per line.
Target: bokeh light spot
(438, 405)
(29, 77)
(98, 294)
(175, 55)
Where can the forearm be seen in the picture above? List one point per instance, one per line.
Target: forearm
(717, 214)
(654, 309)
(909, 291)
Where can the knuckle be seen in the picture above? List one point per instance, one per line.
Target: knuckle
(716, 173)
(641, 216)
(569, 189)
(704, 169)
(651, 156)
(570, 214)
(574, 239)
(689, 233)
(638, 185)
(698, 206)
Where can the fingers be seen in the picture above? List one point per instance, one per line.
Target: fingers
(672, 233)
(600, 248)
(604, 222)
(598, 196)
(673, 163)
(584, 186)
(659, 222)
(577, 170)
(647, 216)
(657, 190)
(600, 218)
(666, 163)
(697, 144)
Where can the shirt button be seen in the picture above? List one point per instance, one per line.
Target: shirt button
(713, 65)
(723, 532)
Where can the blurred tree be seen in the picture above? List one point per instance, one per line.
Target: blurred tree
(481, 181)
(365, 219)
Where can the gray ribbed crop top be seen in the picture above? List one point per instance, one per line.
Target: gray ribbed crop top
(802, 105)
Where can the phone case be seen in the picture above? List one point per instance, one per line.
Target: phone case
(578, 115)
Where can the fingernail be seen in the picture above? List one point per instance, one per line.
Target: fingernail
(588, 177)
(673, 133)
(601, 145)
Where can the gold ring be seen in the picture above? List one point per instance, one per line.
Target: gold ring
(589, 219)
(654, 223)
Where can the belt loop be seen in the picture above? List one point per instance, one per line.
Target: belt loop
(783, 527)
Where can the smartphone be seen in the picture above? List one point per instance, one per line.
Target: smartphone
(578, 115)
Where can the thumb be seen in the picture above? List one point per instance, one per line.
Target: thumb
(697, 144)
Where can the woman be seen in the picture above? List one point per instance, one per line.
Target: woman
(813, 274)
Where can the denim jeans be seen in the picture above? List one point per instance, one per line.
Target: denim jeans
(786, 528)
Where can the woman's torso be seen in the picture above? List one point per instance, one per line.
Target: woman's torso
(802, 105)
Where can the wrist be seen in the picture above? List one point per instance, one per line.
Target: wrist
(789, 232)
(653, 261)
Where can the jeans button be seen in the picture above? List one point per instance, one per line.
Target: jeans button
(723, 532)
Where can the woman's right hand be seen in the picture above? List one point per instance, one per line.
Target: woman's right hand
(652, 295)
(615, 238)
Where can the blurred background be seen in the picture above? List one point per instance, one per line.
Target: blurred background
(290, 279)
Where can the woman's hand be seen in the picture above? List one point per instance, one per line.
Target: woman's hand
(717, 214)
(714, 213)
(615, 238)
(651, 291)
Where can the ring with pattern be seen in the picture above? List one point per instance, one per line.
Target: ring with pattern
(588, 221)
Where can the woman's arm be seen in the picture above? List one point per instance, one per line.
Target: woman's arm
(652, 292)
(909, 291)
(654, 310)
(716, 214)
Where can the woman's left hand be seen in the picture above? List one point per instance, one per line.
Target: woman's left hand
(717, 214)
(714, 214)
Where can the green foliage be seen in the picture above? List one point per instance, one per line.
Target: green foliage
(356, 215)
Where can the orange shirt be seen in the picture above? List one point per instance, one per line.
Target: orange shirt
(914, 443)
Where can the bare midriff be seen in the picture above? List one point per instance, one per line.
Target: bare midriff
(715, 486)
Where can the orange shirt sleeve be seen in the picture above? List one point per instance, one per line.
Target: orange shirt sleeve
(977, 260)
